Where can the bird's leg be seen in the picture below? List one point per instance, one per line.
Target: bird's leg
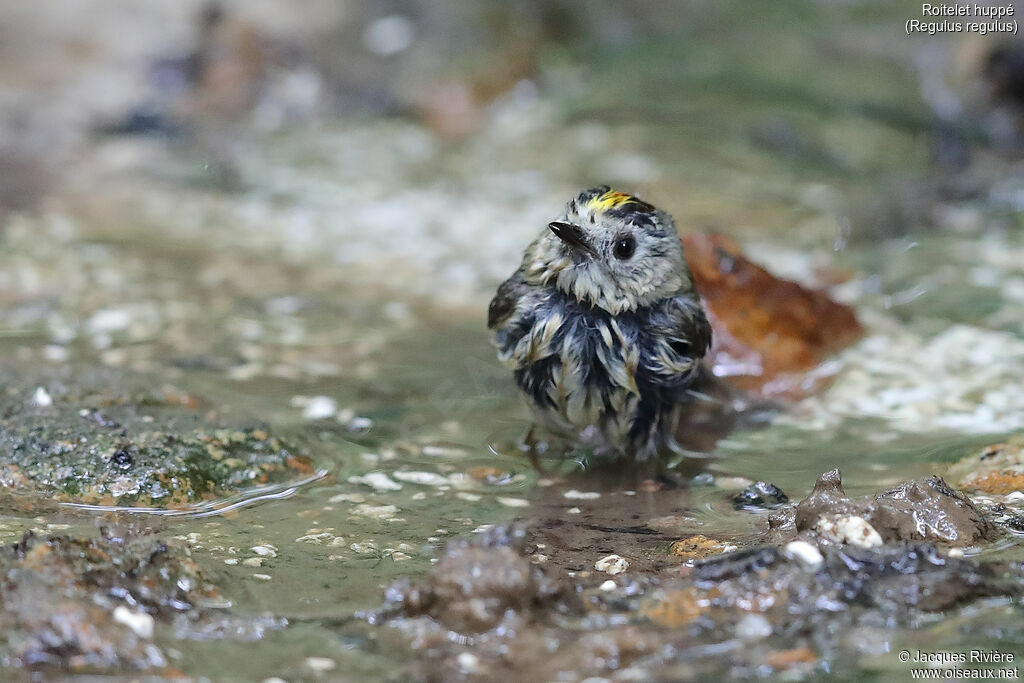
(530, 445)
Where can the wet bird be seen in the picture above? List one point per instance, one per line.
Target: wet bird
(602, 327)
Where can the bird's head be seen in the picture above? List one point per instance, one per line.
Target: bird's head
(610, 249)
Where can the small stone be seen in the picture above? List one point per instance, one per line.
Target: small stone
(262, 577)
(231, 561)
(376, 511)
(253, 562)
(806, 553)
(42, 398)
(378, 481)
(850, 529)
(753, 627)
(574, 511)
(573, 494)
(140, 622)
(320, 408)
(422, 478)
(468, 662)
(265, 550)
(956, 552)
(612, 564)
(320, 663)
(608, 585)
(514, 502)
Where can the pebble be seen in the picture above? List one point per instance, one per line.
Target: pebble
(42, 398)
(378, 481)
(320, 663)
(753, 627)
(468, 662)
(376, 511)
(265, 550)
(807, 553)
(608, 585)
(320, 408)
(612, 564)
(850, 529)
(253, 562)
(140, 622)
(573, 494)
(422, 478)
(514, 502)
(262, 577)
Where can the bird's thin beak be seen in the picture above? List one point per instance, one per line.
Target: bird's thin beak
(573, 236)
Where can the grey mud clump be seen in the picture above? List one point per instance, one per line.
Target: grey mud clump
(925, 509)
(90, 604)
(142, 450)
(487, 611)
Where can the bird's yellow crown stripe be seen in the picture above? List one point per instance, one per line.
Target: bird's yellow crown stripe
(610, 200)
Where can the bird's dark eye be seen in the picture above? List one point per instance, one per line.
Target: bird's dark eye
(624, 247)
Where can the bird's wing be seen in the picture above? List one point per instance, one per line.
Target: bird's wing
(690, 331)
(505, 300)
(681, 336)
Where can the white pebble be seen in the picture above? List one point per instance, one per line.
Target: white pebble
(1014, 497)
(265, 550)
(42, 398)
(422, 478)
(109, 320)
(320, 408)
(573, 494)
(468, 662)
(612, 564)
(389, 35)
(850, 529)
(806, 553)
(514, 502)
(574, 511)
(956, 552)
(320, 663)
(753, 627)
(262, 577)
(377, 481)
(140, 622)
(377, 511)
(608, 585)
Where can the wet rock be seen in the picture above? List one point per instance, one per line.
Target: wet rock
(921, 509)
(139, 450)
(90, 604)
(997, 469)
(478, 585)
(768, 331)
(783, 608)
(760, 496)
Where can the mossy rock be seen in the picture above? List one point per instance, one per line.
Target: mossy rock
(138, 450)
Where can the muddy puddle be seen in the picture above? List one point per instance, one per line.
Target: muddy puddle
(252, 427)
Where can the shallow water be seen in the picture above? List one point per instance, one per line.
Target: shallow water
(338, 295)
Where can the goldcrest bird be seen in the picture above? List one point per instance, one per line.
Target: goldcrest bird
(602, 327)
